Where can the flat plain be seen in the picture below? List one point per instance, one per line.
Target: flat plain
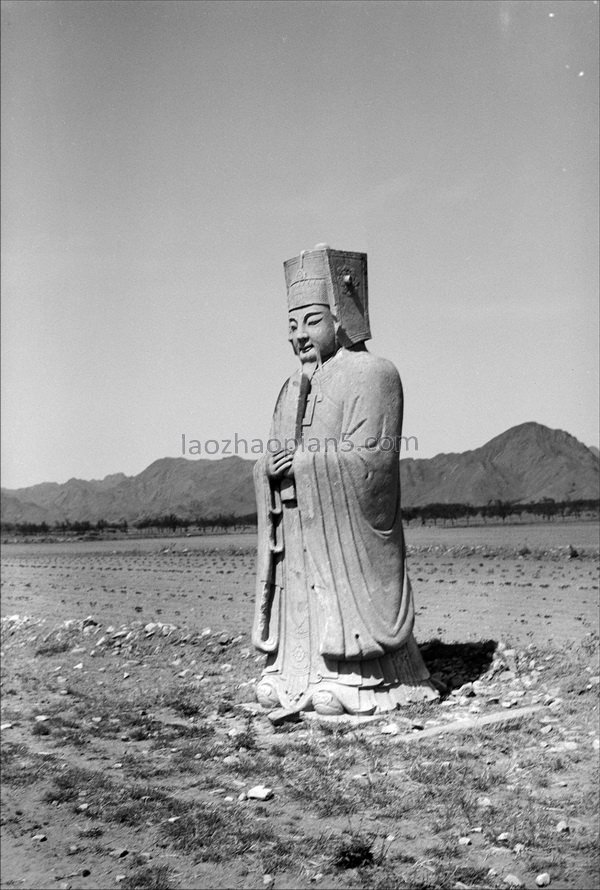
(129, 741)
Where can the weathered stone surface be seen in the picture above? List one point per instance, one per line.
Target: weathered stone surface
(333, 602)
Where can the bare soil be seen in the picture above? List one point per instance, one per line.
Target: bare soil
(127, 744)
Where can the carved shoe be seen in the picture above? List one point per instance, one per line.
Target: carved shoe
(327, 704)
(267, 695)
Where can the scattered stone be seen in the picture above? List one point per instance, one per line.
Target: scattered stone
(543, 880)
(562, 827)
(260, 792)
(513, 881)
(390, 729)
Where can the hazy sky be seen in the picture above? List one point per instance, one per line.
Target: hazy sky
(160, 161)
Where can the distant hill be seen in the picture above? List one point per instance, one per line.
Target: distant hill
(187, 488)
(525, 464)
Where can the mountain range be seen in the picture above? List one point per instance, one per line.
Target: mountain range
(525, 464)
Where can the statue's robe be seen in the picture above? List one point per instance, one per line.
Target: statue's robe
(334, 607)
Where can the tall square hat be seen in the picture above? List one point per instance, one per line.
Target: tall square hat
(336, 278)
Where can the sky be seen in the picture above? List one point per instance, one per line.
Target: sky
(161, 159)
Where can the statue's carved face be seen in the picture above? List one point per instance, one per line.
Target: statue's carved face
(312, 333)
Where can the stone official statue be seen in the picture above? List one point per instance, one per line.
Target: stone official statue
(334, 607)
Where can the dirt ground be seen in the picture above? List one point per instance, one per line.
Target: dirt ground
(468, 583)
(118, 657)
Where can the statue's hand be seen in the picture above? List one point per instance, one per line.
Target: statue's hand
(280, 465)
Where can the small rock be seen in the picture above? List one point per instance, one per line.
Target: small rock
(6, 726)
(83, 806)
(268, 880)
(390, 729)
(518, 849)
(120, 853)
(242, 796)
(504, 836)
(41, 718)
(78, 667)
(120, 878)
(562, 827)
(464, 841)
(260, 792)
(460, 886)
(172, 819)
(492, 873)
(513, 881)
(484, 802)
(546, 729)
(596, 744)
(543, 880)
(39, 837)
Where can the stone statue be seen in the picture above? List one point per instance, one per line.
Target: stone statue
(334, 607)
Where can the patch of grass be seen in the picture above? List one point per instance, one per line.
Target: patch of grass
(68, 784)
(352, 852)
(213, 835)
(150, 877)
(92, 832)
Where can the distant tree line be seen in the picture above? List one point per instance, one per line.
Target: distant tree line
(430, 514)
(547, 508)
(158, 525)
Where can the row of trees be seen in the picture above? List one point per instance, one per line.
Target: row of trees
(496, 510)
(158, 525)
(547, 509)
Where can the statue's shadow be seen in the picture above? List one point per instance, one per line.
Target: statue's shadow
(457, 663)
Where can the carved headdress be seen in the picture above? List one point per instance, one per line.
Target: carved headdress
(336, 278)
